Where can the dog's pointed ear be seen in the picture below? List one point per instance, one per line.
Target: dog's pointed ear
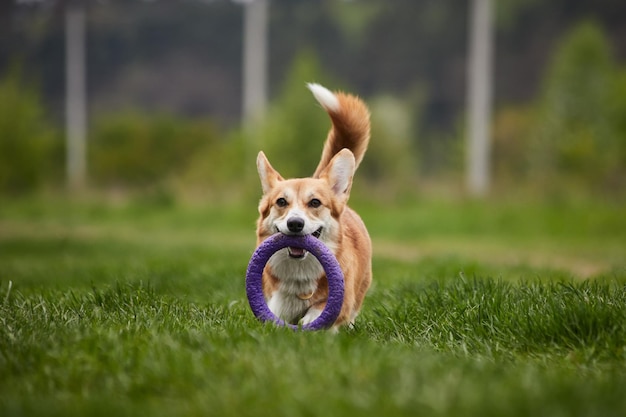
(339, 173)
(268, 175)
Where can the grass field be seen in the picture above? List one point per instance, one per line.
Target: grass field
(478, 309)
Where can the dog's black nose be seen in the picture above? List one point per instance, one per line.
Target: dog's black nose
(295, 224)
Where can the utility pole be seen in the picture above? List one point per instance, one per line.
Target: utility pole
(76, 95)
(254, 60)
(479, 96)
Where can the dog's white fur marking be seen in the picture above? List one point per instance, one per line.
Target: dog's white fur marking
(287, 307)
(325, 97)
(311, 316)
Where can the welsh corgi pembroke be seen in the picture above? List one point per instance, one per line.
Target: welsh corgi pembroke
(294, 283)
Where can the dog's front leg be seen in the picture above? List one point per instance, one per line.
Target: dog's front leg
(275, 304)
(311, 315)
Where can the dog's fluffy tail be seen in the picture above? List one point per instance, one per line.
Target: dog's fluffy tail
(351, 125)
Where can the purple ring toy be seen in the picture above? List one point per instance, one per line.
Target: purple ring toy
(334, 274)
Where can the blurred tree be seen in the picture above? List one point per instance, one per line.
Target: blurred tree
(296, 127)
(222, 169)
(508, 11)
(391, 160)
(353, 18)
(134, 149)
(578, 134)
(29, 143)
(511, 128)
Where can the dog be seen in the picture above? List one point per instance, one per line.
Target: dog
(294, 283)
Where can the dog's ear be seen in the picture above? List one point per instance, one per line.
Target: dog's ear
(268, 175)
(339, 173)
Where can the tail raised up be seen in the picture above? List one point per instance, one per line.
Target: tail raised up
(351, 125)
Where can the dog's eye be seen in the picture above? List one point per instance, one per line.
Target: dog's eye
(281, 202)
(315, 203)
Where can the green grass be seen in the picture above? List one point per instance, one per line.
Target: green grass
(478, 309)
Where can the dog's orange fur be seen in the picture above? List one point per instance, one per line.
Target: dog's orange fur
(319, 205)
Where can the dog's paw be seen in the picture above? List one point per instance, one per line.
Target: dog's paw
(310, 316)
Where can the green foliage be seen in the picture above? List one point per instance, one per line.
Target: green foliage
(225, 168)
(573, 139)
(579, 132)
(30, 147)
(296, 127)
(353, 19)
(132, 149)
(511, 128)
(509, 11)
(390, 163)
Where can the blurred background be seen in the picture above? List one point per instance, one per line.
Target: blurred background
(175, 98)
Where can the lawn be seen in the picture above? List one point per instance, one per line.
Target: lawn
(478, 309)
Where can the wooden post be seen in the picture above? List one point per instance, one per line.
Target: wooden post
(76, 96)
(479, 97)
(254, 61)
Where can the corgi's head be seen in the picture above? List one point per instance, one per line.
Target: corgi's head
(305, 206)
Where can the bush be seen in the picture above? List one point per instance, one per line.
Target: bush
(579, 133)
(224, 169)
(511, 127)
(390, 162)
(30, 147)
(136, 149)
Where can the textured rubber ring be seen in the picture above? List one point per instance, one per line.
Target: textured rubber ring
(254, 274)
